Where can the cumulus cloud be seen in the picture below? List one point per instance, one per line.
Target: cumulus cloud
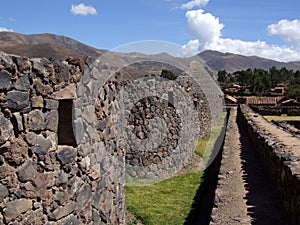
(3, 29)
(289, 31)
(206, 27)
(83, 10)
(194, 3)
(208, 31)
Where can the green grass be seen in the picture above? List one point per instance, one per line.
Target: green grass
(167, 202)
(200, 146)
(282, 118)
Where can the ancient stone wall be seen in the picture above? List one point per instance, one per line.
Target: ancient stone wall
(159, 126)
(277, 110)
(281, 161)
(71, 130)
(53, 167)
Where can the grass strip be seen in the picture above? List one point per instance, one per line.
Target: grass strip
(167, 202)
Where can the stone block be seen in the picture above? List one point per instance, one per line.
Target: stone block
(68, 92)
(6, 129)
(35, 120)
(27, 171)
(37, 102)
(22, 84)
(5, 78)
(3, 192)
(66, 154)
(42, 145)
(18, 100)
(16, 207)
(52, 121)
(51, 104)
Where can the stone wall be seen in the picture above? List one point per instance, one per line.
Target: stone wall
(70, 131)
(47, 177)
(283, 167)
(158, 122)
(277, 110)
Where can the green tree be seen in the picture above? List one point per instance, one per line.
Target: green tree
(168, 74)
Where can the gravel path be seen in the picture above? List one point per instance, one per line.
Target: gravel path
(245, 194)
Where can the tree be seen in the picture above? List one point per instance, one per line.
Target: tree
(168, 74)
(222, 76)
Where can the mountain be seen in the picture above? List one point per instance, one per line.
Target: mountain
(134, 65)
(217, 61)
(44, 45)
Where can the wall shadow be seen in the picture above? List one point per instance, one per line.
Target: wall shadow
(263, 200)
(203, 201)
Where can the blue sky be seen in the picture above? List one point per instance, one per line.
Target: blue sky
(268, 28)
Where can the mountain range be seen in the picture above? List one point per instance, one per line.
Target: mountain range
(61, 47)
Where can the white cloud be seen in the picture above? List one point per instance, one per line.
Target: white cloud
(208, 31)
(194, 3)
(289, 31)
(204, 26)
(83, 10)
(3, 29)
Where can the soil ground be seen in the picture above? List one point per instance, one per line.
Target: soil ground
(245, 194)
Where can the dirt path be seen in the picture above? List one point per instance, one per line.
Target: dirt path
(244, 194)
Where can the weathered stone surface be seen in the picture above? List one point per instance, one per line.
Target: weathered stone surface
(8, 176)
(33, 166)
(16, 207)
(27, 171)
(19, 120)
(37, 102)
(83, 196)
(43, 89)
(5, 78)
(31, 138)
(52, 121)
(86, 77)
(89, 114)
(18, 100)
(66, 154)
(35, 120)
(68, 92)
(23, 65)
(79, 130)
(18, 151)
(51, 104)
(3, 192)
(6, 129)
(22, 84)
(61, 71)
(63, 211)
(62, 178)
(71, 220)
(42, 145)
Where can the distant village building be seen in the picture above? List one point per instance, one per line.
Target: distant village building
(230, 101)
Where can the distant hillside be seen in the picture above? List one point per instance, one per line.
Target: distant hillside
(44, 45)
(232, 62)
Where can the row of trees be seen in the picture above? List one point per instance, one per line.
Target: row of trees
(260, 81)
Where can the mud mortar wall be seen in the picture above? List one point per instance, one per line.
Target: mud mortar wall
(284, 169)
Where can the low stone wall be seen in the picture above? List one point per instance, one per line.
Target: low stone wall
(276, 110)
(284, 168)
